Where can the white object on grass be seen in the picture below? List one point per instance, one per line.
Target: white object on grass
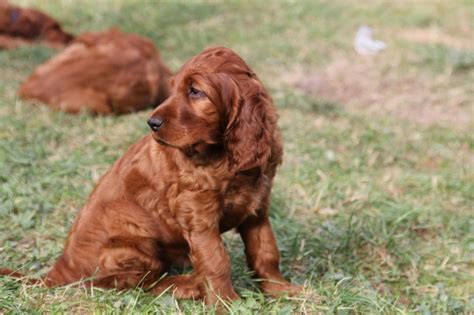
(364, 44)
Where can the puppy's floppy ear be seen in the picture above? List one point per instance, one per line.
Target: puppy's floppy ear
(250, 123)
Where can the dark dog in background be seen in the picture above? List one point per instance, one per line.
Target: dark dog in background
(101, 73)
(207, 168)
(20, 26)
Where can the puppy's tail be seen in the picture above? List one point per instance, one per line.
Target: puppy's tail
(17, 275)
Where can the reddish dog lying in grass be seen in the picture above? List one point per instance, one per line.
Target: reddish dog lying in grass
(20, 26)
(101, 73)
(207, 168)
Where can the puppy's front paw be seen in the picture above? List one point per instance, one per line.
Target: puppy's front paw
(229, 295)
(279, 288)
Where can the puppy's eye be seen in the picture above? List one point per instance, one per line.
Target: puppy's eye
(195, 93)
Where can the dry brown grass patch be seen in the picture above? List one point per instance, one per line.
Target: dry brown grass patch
(376, 85)
(434, 35)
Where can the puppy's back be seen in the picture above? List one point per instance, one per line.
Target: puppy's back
(103, 72)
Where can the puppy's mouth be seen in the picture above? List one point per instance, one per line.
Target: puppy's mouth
(198, 148)
(161, 141)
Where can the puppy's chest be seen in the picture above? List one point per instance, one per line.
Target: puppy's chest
(234, 198)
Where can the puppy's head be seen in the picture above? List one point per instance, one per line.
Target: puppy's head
(32, 24)
(53, 33)
(217, 101)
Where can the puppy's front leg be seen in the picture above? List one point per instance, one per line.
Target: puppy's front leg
(211, 263)
(262, 255)
(198, 216)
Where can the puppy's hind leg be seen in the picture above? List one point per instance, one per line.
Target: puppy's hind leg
(128, 262)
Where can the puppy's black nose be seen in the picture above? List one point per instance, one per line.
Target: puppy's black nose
(155, 123)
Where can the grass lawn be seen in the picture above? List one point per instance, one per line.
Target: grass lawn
(373, 206)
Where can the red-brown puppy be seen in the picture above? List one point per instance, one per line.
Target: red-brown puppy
(207, 168)
(101, 73)
(19, 26)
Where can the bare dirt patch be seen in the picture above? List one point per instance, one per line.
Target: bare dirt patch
(373, 85)
(436, 36)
